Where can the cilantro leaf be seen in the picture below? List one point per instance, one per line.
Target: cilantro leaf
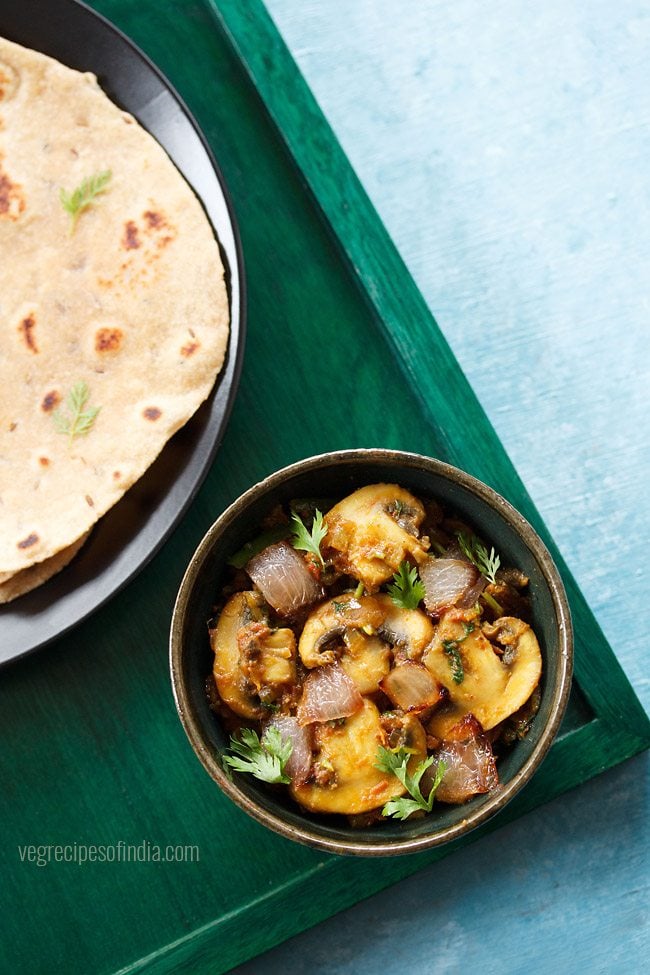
(401, 807)
(407, 588)
(264, 758)
(306, 541)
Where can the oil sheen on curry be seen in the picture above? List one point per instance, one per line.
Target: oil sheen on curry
(372, 656)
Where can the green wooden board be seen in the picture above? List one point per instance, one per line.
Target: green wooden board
(93, 752)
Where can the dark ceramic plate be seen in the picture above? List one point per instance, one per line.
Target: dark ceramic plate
(127, 537)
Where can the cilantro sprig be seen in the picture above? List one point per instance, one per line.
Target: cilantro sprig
(476, 551)
(77, 421)
(309, 541)
(83, 196)
(264, 758)
(396, 763)
(407, 589)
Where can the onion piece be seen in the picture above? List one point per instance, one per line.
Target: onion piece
(282, 576)
(299, 761)
(470, 596)
(471, 769)
(446, 581)
(328, 694)
(411, 687)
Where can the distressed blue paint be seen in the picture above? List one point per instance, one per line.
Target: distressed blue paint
(506, 147)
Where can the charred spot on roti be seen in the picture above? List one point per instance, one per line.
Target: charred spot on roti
(50, 401)
(12, 200)
(44, 461)
(130, 240)
(26, 328)
(108, 339)
(30, 540)
(90, 501)
(9, 81)
(189, 349)
(157, 223)
(153, 219)
(12, 426)
(116, 475)
(152, 413)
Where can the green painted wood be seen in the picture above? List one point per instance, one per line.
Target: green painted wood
(92, 749)
(465, 435)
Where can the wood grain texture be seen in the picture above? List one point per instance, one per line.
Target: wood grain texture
(445, 398)
(93, 751)
(505, 151)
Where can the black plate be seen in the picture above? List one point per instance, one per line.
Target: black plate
(127, 537)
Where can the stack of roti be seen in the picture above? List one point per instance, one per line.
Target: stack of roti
(113, 310)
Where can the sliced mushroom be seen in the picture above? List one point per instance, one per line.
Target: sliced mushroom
(492, 686)
(410, 630)
(267, 657)
(331, 621)
(366, 660)
(251, 661)
(404, 731)
(349, 753)
(366, 533)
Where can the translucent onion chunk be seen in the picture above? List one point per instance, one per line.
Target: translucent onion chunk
(328, 694)
(282, 576)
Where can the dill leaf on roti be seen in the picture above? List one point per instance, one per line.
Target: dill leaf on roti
(77, 421)
(83, 196)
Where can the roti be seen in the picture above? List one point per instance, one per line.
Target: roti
(113, 306)
(21, 582)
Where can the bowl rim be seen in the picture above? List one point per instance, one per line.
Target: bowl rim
(560, 689)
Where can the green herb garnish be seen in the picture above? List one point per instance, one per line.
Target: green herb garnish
(474, 549)
(450, 647)
(309, 541)
(77, 421)
(264, 758)
(80, 199)
(397, 764)
(407, 588)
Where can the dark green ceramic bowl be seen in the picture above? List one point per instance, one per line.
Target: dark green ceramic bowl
(335, 475)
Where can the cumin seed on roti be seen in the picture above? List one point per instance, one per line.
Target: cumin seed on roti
(129, 300)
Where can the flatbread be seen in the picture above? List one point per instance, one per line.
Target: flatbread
(22, 582)
(129, 304)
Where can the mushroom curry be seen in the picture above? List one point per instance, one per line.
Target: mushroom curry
(372, 659)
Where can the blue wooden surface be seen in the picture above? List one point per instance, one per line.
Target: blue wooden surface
(506, 148)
